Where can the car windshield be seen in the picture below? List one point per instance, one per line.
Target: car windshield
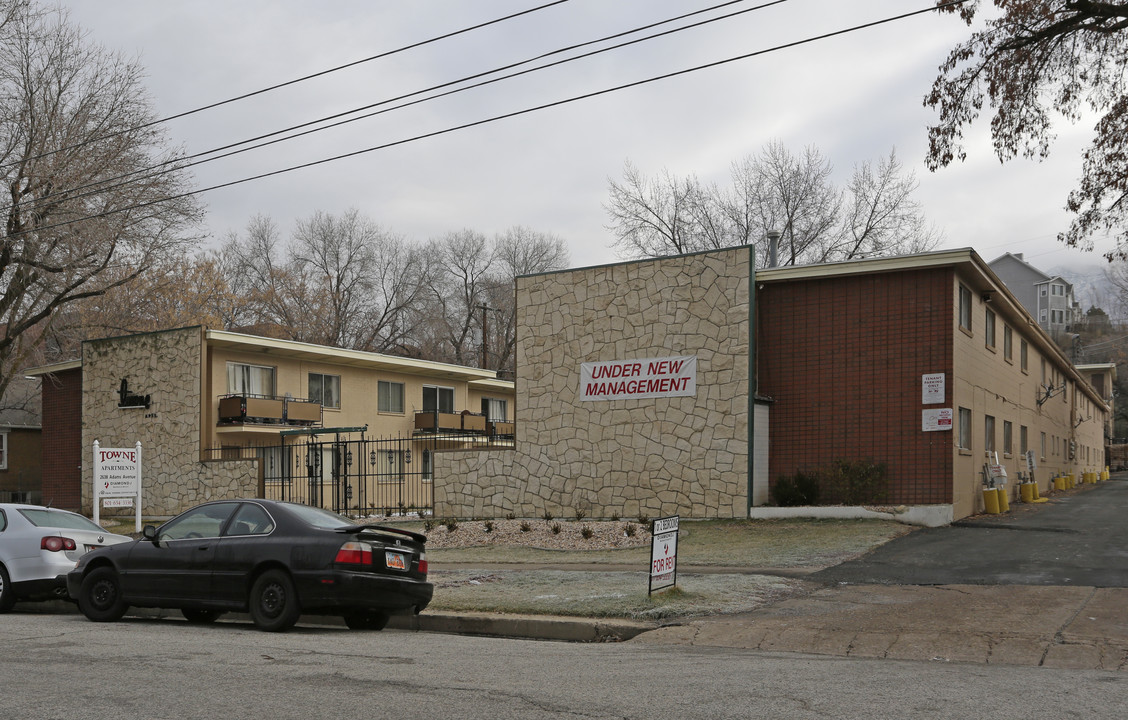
(318, 517)
(46, 517)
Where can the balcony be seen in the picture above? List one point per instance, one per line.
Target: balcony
(465, 422)
(265, 410)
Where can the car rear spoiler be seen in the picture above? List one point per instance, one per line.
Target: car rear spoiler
(417, 537)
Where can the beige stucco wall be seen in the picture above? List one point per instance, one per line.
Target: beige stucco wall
(653, 457)
(987, 383)
(167, 366)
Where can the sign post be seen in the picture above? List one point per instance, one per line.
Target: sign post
(117, 478)
(663, 553)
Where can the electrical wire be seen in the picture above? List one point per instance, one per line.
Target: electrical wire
(190, 161)
(288, 83)
(509, 115)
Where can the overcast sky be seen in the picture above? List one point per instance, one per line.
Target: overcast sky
(855, 97)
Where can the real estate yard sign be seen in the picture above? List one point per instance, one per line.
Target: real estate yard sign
(117, 479)
(663, 553)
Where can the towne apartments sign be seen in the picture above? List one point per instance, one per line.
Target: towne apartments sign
(637, 379)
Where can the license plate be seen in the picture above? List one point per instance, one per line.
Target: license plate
(395, 560)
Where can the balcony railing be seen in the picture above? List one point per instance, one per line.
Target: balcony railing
(465, 422)
(244, 409)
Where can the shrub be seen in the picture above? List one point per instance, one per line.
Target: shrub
(800, 489)
(488, 526)
(555, 528)
(854, 482)
(450, 524)
(525, 527)
(510, 516)
(587, 532)
(614, 517)
(580, 514)
(643, 519)
(547, 516)
(630, 530)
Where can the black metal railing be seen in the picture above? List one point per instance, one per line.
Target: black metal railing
(359, 477)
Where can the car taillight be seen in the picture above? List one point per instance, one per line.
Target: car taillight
(54, 543)
(355, 553)
(423, 564)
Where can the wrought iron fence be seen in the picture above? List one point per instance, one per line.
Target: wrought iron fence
(359, 477)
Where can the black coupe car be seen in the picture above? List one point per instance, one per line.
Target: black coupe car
(275, 560)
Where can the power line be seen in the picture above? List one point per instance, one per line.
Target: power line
(184, 163)
(509, 115)
(288, 83)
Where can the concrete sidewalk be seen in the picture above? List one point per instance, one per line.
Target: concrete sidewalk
(1036, 626)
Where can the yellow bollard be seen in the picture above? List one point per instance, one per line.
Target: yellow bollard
(1059, 483)
(1027, 491)
(1004, 501)
(990, 501)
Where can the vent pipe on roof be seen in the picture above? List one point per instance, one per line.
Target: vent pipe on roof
(773, 248)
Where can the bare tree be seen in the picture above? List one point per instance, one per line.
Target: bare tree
(774, 190)
(341, 280)
(73, 118)
(1032, 60)
(660, 216)
(518, 251)
(465, 259)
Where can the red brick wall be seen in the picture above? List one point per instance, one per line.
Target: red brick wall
(842, 359)
(62, 440)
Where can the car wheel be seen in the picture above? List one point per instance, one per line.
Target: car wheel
(366, 620)
(100, 598)
(274, 602)
(203, 617)
(7, 594)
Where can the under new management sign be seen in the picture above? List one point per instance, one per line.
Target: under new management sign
(638, 379)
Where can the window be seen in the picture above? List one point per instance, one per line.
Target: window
(965, 308)
(1023, 446)
(389, 397)
(245, 379)
(989, 433)
(1008, 343)
(990, 331)
(1043, 316)
(1042, 291)
(965, 429)
(1043, 448)
(200, 522)
(428, 466)
(1058, 317)
(495, 410)
(325, 389)
(1008, 441)
(1058, 290)
(438, 398)
(3, 451)
(1023, 354)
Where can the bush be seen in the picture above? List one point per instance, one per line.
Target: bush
(488, 526)
(587, 532)
(799, 489)
(857, 482)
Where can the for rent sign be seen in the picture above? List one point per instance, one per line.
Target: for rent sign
(637, 379)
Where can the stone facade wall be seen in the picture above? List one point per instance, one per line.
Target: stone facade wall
(167, 366)
(630, 457)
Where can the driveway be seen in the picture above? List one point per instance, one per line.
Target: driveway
(1075, 539)
(1045, 585)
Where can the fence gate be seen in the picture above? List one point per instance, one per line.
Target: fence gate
(356, 477)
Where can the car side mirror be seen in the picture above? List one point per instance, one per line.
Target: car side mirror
(150, 533)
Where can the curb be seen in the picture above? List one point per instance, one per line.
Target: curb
(531, 627)
(525, 627)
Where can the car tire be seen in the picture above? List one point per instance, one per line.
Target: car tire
(7, 594)
(200, 616)
(100, 598)
(366, 620)
(273, 602)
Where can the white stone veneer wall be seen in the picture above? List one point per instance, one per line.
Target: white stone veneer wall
(650, 457)
(167, 366)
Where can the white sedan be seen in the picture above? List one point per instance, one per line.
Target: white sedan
(39, 546)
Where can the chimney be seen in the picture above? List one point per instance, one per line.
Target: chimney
(773, 248)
